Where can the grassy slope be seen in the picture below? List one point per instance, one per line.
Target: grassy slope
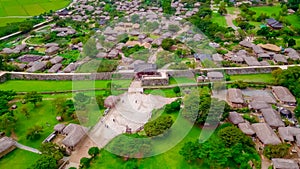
(253, 78)
(25, 8)
(18, 159)
(269, 10)
(44, 86)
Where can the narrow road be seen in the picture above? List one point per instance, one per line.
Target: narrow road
(23, 147)
(229, 20)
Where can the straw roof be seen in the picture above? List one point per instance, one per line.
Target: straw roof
(59, 127)
(280, 163)
(270, 47)
(288, 133)
(111, 101)
(246, 128)
(74, 133)
(246, 44)
(266, 98)
(272, 118)
(235, 96)
(257, 105)
(251, 61)
(235, 118)
(6, 143)
(265, 134)
(283, 94)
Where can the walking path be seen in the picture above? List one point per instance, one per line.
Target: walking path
(23, 147)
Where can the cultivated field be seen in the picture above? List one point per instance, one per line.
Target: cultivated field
(9, 8)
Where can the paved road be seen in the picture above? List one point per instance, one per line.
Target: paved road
(23, 147)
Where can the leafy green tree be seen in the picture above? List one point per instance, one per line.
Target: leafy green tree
(277, 151)
(81, 97)
(100, 101)
(33, 97)
(167, 43)
(7, 122)
(232, 135)
(291, 42)
(158, 126)
(85, 162)
(190, 151)
(45, 162)
(173, 107)
(24, 110)
(222, 9)
(176, 89)
(94, 151)
(34, 132)
(52, 150)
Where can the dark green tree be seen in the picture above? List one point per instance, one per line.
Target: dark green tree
(34, 132)
(45, 162)
(94, 151)
(33, 97)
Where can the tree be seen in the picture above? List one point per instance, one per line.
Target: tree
(45, 162)
(94, 151)
(167, 43)
(190, 151)
(52, 150)
(90, 49)
(232, 135)
(33, 97)
(173, 107)
(284, 10)
(158, 126)
(277, 151)
(59, 105)
(176, 89)
(100, 101)
(81, 97)
(85, 162)
(297, 111)
(34, 132)
(222, 9)
(7, 122)
(291, 42)
(25, 27)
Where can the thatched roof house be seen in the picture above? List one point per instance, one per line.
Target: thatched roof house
(111, 101)
(257, 49)
(272, 118)
(257, 105)
(59, 128)
(37, 66)
(270, 47)
(6, 145)
(217, 57)
(279, 58)
(56, 59)
(246, 128)
(55, 68)
(283, 95)
(235, 98)
(70, 68)
(247, 44)
(74, 134)
(265, 134)
(235, 118)
(215, 76)
(266, 98)
(280, 163)
(251, 61)
(289, 134)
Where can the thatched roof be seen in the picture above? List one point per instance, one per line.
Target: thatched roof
(74, 134)
(6, 143)
(145, 67)
(265, 134)
(272, 118)
(70, 68)
(280, 58)
(56, 59)
(246, 44)
(283, 94)
(217, 57)
(217, 75)
(111, 101)
(251, 61)
(59, 127)
(37, 66)
(235, 118)
(55, 68)
(246, 128)
(280, 163)
(257, 49)
(270, 47)
(257, 105)
(288, 133)
(266, 98)
(235, 96)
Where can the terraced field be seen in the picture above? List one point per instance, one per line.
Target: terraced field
(18, 10)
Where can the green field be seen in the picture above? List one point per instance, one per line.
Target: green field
(267, 78)
(269, 10)
(219, 19)
(48, 86)
(27, 8)
(18, 159)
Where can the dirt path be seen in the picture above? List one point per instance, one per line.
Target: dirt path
(23, 147)
(229, 20)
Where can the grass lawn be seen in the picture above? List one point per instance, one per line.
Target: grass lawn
(181, 80)
(18, 159)
(219, 19)
(169, 159)
(269, 10)
(294, 20)
(46, 86)
(297, 41)
(267, 78)
(161, 92)
(25, 8)
(43, 115)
